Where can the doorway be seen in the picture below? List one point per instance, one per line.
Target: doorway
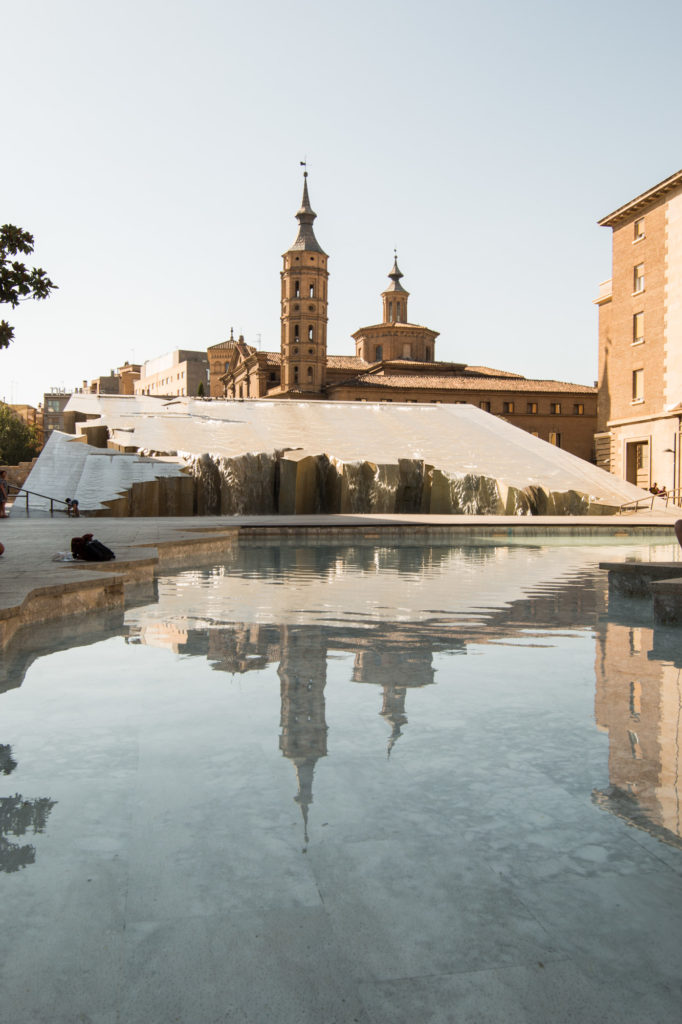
(637, 463)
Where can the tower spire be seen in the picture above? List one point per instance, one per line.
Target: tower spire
(305, 239)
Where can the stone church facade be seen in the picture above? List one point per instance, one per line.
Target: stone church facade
(394, 361)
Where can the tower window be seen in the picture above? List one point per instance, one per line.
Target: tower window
(312, 291)
(379, 352)
(390, 312)
(296, 375)
(310, 351)
(297, 290)
(295, 332)
(399, 309)
(428, 354)
(310, 374)
(310, 333)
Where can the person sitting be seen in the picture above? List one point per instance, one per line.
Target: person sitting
(654, 488)
(4, 492)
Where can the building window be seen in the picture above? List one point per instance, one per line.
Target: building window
(635, 700)
(485, 406)
(295, 332)
(638, 278)
(310, 333)
(532, 408)
(639, 229)
(379, 353)
(297, 289)
(312, 291)
(555, 408)
(638, 328)
(555, 438)
(428, 354)
(296, 375)
(399, 311)
(310, 374)
(507, 407)
(390, 312)
(579, 409)
(638, 385)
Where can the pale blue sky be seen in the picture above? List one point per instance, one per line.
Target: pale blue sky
(153, 147)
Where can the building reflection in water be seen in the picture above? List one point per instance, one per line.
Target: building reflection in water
(638, 689)
(396, 657)
(639, 704)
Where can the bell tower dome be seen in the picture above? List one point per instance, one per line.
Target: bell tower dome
(304, 307)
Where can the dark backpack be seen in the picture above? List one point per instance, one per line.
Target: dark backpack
(90, 550)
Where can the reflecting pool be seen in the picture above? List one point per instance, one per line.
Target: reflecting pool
(338, 783)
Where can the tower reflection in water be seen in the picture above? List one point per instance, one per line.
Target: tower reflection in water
(637, 683)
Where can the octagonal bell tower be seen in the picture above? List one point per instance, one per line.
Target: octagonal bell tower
(304, 307)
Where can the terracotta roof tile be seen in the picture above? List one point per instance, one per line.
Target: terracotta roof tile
(346, 363)
(452, 382)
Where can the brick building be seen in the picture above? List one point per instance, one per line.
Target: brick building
(394, 361)
(640, 340)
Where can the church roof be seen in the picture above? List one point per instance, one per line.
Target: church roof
(305, 239)
(463, 382)
(346, 363)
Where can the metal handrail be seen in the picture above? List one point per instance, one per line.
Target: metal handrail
(636, 504)
(36, 494)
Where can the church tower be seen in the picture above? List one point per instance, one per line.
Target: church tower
(304, 307)
(395, 298)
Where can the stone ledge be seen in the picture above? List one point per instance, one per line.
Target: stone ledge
(635, 579)
(70, 588)
(667, 601)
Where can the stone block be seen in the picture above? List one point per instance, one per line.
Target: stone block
(298, 484)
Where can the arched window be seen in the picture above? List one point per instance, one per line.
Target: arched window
(295, 338)
(310, 333)
(390, 312)
(296, 375)
(297, 290)
(312, 291)
(398, 314)
(310, 374)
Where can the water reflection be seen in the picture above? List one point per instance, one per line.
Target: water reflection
(396, 610)
(17, 817)
(639, 704)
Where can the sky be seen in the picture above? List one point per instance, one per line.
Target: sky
(153, 149)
